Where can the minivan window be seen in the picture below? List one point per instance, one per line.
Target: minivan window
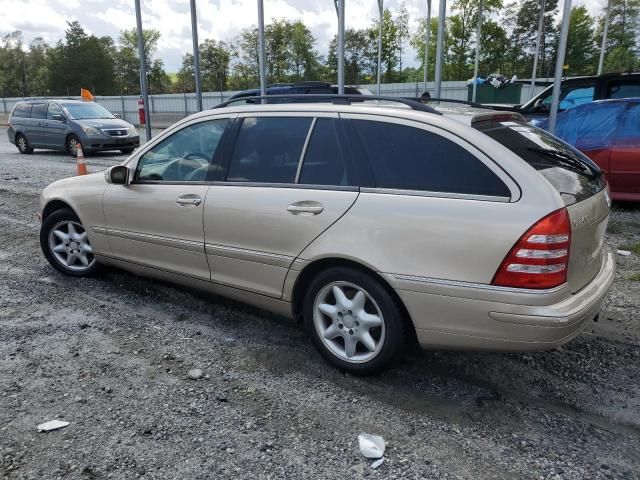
(83, 111)
(324, 163)
(39, 110)
(22, 110)
(571, 173)
(185, 156)
(53, 110)
(268, 149)
(409, 158)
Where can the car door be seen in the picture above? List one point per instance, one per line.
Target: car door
(625, 155)
(288, 180)
(55, 127)
(156, 220)
(35, 126)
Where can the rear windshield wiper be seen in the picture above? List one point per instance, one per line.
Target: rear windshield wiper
(566, 160)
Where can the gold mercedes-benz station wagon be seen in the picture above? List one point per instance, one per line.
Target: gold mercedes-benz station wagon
(371, 221)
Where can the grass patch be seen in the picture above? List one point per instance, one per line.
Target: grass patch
(632, 247)
(635, 277)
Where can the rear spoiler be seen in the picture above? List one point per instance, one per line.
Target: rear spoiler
(497, 116)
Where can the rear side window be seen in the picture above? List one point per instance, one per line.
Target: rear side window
(571, 173)
(268, 149)
(39, 110)
(409, 158)
(623, 90)
(324, 162)
(22, 110)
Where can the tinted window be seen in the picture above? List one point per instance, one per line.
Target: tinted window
(620, 90)
(22, 110)
(268, 149)
(53, 110)
(324, 163)
(39, 110)
(629, 127)
(414, 159)
(571, 97)
(571, 173)
(184, 156)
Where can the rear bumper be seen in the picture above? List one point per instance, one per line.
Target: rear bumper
(502, 319)
(106, 143)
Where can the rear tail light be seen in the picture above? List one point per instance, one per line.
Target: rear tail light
(541, 256)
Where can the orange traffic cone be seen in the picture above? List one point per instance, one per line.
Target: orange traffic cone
(82, 166)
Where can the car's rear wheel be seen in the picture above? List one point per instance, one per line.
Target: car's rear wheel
(23, 144)
(127, 151)
(353, 320)
(72, 145)
(65, 244)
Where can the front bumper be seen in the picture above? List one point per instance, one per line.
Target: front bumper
(110, 143)
(502, 319)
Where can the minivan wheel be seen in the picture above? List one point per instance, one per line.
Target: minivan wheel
(65, 245)
(23, 144)
(353, 321)
(72, 145)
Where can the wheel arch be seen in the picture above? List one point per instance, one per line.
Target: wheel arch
(55, 205)
(314, 268)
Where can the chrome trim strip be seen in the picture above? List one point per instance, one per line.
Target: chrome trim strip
(304, 149)
(426, 193)
(341, 188)
(481, 286)
(99, 230)
(255, 256)
(182, 244)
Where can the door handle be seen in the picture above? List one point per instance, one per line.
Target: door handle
(305, 208)
(195, 201)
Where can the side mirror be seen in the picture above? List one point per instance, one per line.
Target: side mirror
(540, 107)
(117, 175)
(58, 117)
(117, 115)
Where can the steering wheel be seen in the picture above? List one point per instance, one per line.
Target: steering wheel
(194, 161)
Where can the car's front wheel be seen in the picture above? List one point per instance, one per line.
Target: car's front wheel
(23, 144)
(65, 245)
(72, 145)
(353, 320)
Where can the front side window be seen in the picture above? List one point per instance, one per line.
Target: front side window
(268, 149)
(185, 156)
(324, 162)
(53, 110)
(571, 97)
(409, 158)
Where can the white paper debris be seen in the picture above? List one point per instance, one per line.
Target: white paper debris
(377, 463)
(371, 446)
(624, 253)
(52, 425)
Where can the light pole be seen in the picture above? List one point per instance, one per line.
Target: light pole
(475, 69)
(557, 81)
(196, 54)
(440, 46)
(604, 38)
(380, 14)
(537, 52)
(143, 72)
(426, 44)
(261, 54)
(340, 6)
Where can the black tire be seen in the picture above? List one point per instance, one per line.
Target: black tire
(392, 318)
(51, 222)
(23, 144)
(70, 145)
(127, 151)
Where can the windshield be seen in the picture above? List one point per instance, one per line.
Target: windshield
(83, 111)
(571, 173)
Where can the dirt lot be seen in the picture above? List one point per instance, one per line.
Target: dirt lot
(111, 354)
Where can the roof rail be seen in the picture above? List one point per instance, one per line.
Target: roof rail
(446, 100)
(312, 83)
(333, 98)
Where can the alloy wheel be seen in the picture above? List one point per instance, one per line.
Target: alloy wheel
(70, 246)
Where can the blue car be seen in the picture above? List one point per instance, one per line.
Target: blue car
(65, 124)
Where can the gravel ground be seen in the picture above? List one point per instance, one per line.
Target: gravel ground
(111, 355)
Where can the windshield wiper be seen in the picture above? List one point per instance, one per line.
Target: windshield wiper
(566, 160)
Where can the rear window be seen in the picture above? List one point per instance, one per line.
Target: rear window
(571, 173)
(22, 110)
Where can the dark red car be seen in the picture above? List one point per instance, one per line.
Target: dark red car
(608, 132)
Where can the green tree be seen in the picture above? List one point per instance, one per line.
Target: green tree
(402, 35)
(622, 50)
(127, 63)
(37, 67)
(580, 43)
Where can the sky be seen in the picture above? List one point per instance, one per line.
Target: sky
(217, 19)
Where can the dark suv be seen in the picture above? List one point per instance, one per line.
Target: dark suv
(302, 88)
(63, 124)
(577, 91)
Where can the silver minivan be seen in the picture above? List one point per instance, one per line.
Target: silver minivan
(372, 222)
